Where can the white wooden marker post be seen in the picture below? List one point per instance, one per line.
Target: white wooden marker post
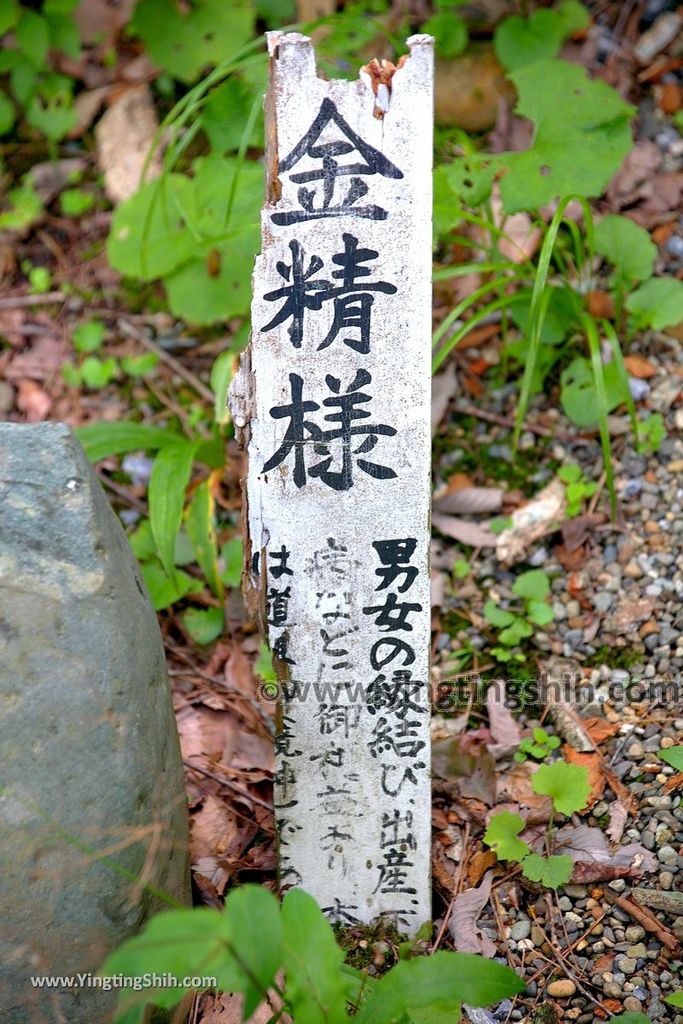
(333, 400)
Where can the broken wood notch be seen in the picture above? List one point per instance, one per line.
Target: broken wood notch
(332, 401)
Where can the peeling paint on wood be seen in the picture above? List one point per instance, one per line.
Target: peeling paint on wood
(333, 404)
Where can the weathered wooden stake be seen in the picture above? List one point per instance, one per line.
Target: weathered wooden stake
(333, 401)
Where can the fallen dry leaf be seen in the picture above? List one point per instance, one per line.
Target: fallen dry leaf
(467, 907)
(472, 534)
(504, 727)
(470, 501)
(593, 860)
(599, 729)
(444, 388)
(33, 401)
(639, 366)
(618, 816)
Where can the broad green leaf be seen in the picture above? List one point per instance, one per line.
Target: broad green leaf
(515, 632)
(26, 207)
(550, 871)
(170, 476)
(519, 41)
(149, 236)
(533, 584)
(142, 541)
(566, 784)
(539, 612)
(445, 979)
(501, 836)
(50, 110)
(561, 318)
(201, 530)
(74, 202)
(658, 303)
(673, 756)
(140, 366)
(497, 616)
(232, 557)
(204, 624)
(225, 112)
(88, 336)
(9, 14)
(569, 474)
(256, 930)
(97, 373)
(202, 296)
(6, 114)
(578, 395)
(183, 40)
(33, 38)
(183, 943)
(631, 1018)
(627, 246)
(675, 1000)
(163, 590)
(221, 375)
(450, 34)
(64, 34)
(103, 439)
(263, 666)
(572, 114)
(316, 988)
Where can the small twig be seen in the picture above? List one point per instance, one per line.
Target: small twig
(506, 421)
(190, 378)
(122, 493)
(21, 301)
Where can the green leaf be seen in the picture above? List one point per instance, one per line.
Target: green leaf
(33, 38)
(232, 557)
(572, 114)
(631, 1018)
(540, 735)
(88, 336)
(225, 112)
(184, 40)
(142, 541)
(97, 373)
(533, 584)
(139, 366)
(257, 934)
(149, 236)
(443, 979)
(578, 393)
(658, 303)
(50, 111)
(497, 616)
(450, 34)
(316, 989)
(550, 871)
(40, 280)
(519, 41)
(201, 531)
(71, 375)
(540, 613)
(567, 784)
(676, 999)
(26, 207)
(501, 836)
(221, 375)
(673, 756)
(650, 432)
(76, 201)
(170, 477)
(627, 246)
(569, 474)
(6, 114)
(9, 14)
(103, 439)
(204, 624)
(164, 590)
(63, 33)
(516, 632)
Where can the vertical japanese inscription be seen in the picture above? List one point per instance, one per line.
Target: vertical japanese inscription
(335, 398)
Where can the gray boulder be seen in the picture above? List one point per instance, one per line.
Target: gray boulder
(93, 816)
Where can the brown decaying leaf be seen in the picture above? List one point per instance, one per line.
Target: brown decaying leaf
(472, 534)
(514, 786)
(462, 925)
(599, 729)
(470, 501)
(33, 401)
(593, 860)
(639, 366)
(577, 531)
(444, 388)
(531, 521)
(505, 730)
(124, 135)
(618, 816)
